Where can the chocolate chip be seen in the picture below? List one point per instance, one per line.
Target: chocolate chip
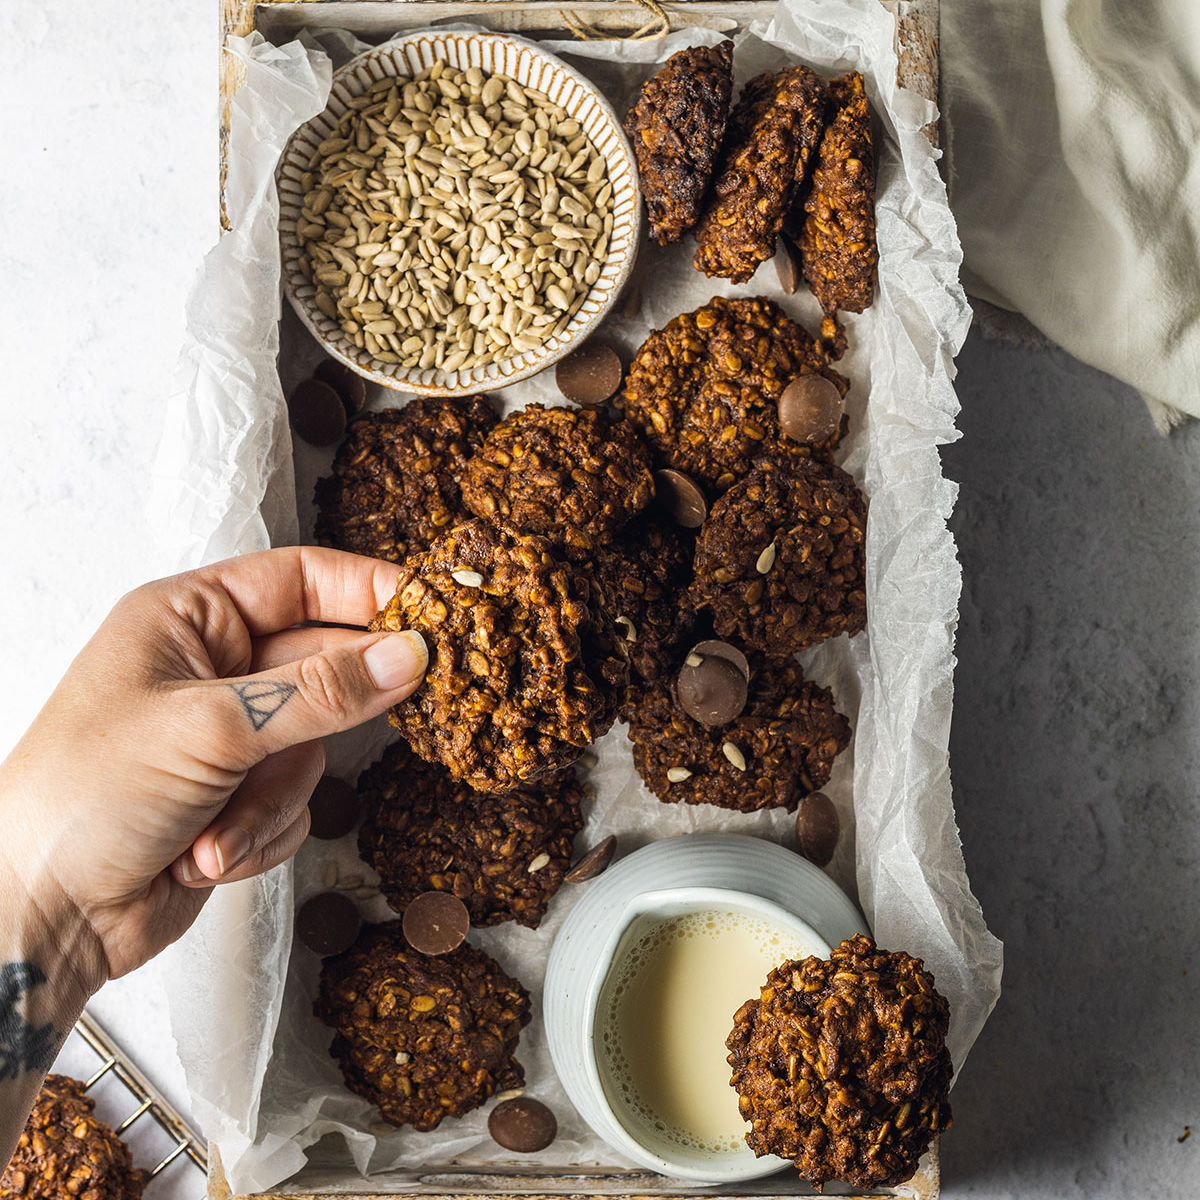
(436, 922)
(817, 828)
(348, 384)
(787, 265)
(810, 409)
(594, 862)
(714, 648)
(590, 374)
(328, 923)
(317, 413)
(711, 691)
(681, 496)
(333, 808)
(523, 1125)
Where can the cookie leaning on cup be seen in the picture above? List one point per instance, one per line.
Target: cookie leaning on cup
(841, 1065)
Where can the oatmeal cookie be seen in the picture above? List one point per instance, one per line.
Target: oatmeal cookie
(676, 129)
(841, 1065)
(837, 246)
(396, 476)
(773, 132)
(526, 667)
(781, 747)
(571, 475)
(422, 1038)
(504, 856)
(645, 575)
(66, 1152)
(780, 560)
(704, 390)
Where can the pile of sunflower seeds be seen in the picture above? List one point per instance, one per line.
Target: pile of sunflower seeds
(454, 219)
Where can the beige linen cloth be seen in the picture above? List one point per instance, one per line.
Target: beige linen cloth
(1072, 133)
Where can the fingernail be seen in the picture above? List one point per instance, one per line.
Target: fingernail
(396, 659)
(231, 848)
(188, 869)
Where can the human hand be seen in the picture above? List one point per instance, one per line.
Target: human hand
(182, 745)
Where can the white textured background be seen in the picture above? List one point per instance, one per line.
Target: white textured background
(1075, 751)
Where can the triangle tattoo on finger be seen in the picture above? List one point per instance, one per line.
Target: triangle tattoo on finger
(263, 699)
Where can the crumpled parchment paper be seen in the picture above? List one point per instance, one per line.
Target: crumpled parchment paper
(227, 481)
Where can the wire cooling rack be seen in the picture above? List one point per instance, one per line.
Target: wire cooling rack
(153, 1129)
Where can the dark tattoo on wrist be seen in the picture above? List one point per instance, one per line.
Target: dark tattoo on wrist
(262, 700)
(23, 1045)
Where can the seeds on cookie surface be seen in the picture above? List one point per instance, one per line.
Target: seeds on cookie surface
(735, 756)
(478, 209)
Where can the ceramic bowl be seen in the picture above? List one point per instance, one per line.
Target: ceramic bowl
(663, 879)
(530, 66)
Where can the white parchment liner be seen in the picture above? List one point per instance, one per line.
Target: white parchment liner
(261, 1081)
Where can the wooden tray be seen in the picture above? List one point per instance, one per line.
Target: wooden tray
(374, 20)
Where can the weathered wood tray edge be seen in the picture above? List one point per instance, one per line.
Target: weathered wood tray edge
(917, 50)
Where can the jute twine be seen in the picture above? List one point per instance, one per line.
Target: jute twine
(657, 26)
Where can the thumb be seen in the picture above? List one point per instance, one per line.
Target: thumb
(329, 691)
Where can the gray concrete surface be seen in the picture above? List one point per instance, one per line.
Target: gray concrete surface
(1077, 782)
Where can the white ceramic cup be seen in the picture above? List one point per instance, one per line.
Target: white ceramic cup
(696, 872)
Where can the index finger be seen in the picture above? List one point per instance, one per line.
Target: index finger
(275, 589)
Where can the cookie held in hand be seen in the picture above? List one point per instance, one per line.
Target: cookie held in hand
(526, 665)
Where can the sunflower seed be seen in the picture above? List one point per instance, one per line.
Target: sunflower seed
(735, 756)
(679, 774)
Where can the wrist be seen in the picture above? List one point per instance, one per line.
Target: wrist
(51, 945)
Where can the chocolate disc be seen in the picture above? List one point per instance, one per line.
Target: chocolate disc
(712, 684)
(590, 374)
(333, 808)
(787, 265)
(523, 1125)
(722, 650)
(817, 828)
(348, 384)
(681, 496)
(436, 923)
(317, 413)
(594, 862)
(810, 409)
(328, 923)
